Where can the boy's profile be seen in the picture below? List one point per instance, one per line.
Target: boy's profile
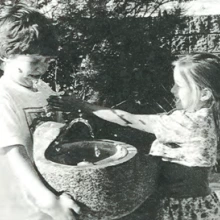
(26, 46)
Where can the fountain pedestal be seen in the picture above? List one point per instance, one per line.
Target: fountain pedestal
(106, 188)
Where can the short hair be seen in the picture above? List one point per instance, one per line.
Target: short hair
(24, 30)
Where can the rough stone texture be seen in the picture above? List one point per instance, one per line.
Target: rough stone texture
(180, 44)
(198, 43)
(199, 25)
(214, 43)
(104, 191)
(214, 24)
(197, 34)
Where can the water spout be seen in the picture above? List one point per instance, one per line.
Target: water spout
(81, 120)
(68, 126)
(97, 151)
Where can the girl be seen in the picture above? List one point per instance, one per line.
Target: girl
(186, 139)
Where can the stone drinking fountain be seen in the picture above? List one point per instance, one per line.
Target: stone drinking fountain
(108, 179)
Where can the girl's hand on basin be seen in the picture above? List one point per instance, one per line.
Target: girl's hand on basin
(64, 103)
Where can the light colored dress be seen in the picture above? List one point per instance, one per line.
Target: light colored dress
(187, 144)
(187, 138)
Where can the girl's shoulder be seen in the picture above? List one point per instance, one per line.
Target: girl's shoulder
(201, 112)
(198, 115)
(190, 120)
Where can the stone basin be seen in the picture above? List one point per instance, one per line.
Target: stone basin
(108, 179)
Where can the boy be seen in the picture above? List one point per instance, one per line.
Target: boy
(26, 45)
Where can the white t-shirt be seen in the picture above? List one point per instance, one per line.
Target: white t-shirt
(20, 110)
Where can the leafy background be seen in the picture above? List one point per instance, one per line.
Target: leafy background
(115, 54)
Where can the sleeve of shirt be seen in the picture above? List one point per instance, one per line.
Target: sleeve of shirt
(174, 128)
(188, 138)
(171, 131)
(10, 127)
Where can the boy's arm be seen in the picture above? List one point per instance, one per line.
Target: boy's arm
(58, 207)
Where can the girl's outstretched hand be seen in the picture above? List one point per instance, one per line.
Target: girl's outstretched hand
(64, 103)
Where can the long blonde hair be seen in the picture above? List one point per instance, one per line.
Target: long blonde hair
(204, 70)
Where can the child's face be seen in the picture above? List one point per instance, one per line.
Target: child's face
(25, 69)
(182, 92)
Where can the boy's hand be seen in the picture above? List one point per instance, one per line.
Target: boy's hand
(64, 103)
(67, 201)
(57, 207)
(63, 208)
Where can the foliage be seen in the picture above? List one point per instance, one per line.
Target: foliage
(115, 59)
(122, 58)
(114, 53)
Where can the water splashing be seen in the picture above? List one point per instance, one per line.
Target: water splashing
(97, 151)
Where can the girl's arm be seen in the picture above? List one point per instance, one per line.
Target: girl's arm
(58, 207)
(141, 122)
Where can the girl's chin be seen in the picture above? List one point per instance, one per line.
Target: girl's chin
(28, 84)
(178, 105)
